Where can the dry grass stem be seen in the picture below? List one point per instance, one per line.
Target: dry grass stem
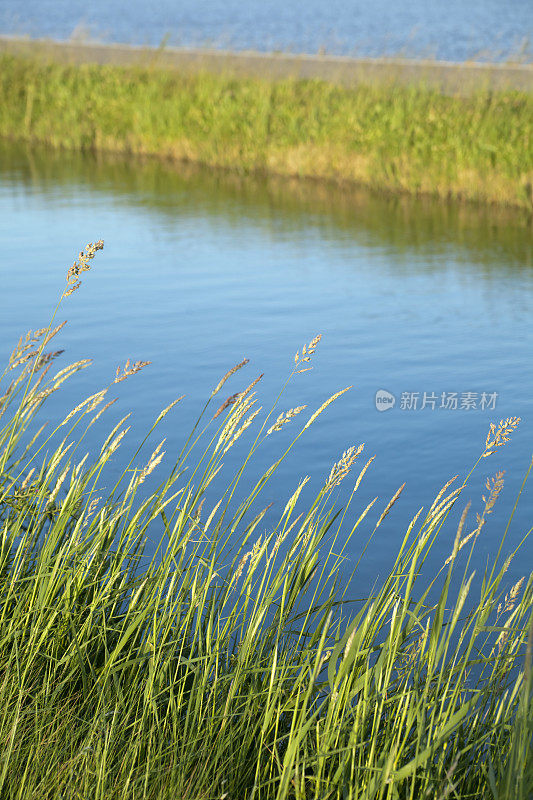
(28, 478)
(198, 513)
(81, 265)
(66, 372)
(92, 402)
(229, 401)
(23, 359)
(458, 534)
(366, 510)
(47, 358)
(58, 457)
(436, 501)
(249, 388)
(115, 444)
(509, 605)
(113, 432)
(246, 424)
(57, 487)
(53, 332)
(238, 397)
(342, 467)
(289, 507)
(240, 567)
(362, 473)
(499, 435)
(282, 536)
(512, 596)
(92, 507)
(34, 400)
(494, 485)
(212, 515)
(155, 459)
(307, 351)
(349, 643)
(283, 418)
(238, 413)
(78, 468)
(254, 554)
(23, 345)
(41, 360)
(4, 399)
(168, 408)
(130, 369)
(390, 504)
(31, 339)
(73, 287)
(228, 375)
(475, 533)
(443, 507)
(104, 408)
(40, 378)
(324, 406)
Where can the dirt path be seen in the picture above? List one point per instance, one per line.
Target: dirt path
(447, 77)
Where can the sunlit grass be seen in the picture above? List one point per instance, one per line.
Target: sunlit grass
(205, 670)
(389, 138)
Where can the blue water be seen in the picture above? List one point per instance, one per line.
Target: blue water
(455, 30)
(201, 269)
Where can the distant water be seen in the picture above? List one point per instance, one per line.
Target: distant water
(202, 269)
(454, 30)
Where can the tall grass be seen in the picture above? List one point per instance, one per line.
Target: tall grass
(203, 670)
(386, 137)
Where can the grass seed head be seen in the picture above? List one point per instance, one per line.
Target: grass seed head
(229, 401)
(494, 486)
(155, 459)
(283, 418)
(390, 504)
(130, 369)
(499, 435)
(57, 487)
(324, 406)
(342, 467)
(307, 351)
(228, 375)
(99, 414)
(246, 424)
(168, 408)
(81, 265)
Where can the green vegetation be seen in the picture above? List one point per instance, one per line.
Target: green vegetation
(389, 138)
(212, 670)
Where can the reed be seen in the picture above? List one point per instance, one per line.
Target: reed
(390, 138)
(209, 670)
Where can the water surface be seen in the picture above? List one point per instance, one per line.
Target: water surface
(201, 269)
(455, 30)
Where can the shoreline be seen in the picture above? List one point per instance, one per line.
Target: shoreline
(379, 135)
(445, 76)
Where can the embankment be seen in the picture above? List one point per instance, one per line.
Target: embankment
(411, 129)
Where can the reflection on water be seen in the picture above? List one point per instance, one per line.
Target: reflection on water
(202, 268)
(500, 239)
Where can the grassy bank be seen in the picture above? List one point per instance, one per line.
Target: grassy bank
(395, 139)
(211, 670)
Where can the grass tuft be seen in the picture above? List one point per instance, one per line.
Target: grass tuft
(390, 138)
(212, 670)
